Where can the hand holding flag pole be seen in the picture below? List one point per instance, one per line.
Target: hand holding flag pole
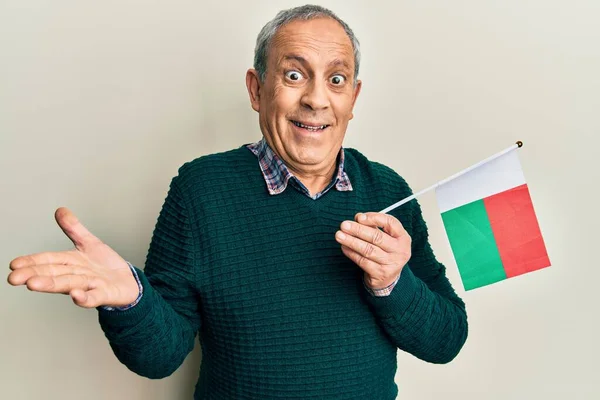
(489, 219)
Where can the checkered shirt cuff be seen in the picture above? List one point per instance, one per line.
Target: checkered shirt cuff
(386, 291)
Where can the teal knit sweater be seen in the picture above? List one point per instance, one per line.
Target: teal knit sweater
(281, 313)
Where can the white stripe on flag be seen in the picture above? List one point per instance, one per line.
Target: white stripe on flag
(496, 176)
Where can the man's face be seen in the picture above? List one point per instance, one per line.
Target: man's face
(307, 97)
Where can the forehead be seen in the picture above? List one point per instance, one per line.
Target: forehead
(317, 40)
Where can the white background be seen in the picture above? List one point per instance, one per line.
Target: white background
(102, 101)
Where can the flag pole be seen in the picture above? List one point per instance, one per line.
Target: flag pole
(464, 171)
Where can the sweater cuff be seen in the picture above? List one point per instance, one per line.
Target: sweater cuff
(133, 315)
(406, 292)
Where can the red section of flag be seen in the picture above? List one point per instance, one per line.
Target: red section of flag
(516, 231)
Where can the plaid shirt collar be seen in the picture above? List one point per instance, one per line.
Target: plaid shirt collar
(277, 175)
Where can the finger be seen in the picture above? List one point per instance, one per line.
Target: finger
(22, 275)
(59, 284)
(369, 234)
(391, 225)
(62, 257)
(369, 266)
(363, 248)
(88, 299)
(70, 225)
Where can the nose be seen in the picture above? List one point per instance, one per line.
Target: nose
(315, 96)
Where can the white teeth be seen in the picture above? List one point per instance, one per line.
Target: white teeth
(310, 128)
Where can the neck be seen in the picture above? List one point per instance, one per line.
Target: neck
(315, 181)
(314, 177)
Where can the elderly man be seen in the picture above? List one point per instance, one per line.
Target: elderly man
(274, 252)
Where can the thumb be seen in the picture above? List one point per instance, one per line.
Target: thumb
(84, 299)
(74, 229)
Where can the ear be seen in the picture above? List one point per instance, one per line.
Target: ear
(355, 95)
(253, 85)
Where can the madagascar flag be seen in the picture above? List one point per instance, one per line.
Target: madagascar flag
(491, 224)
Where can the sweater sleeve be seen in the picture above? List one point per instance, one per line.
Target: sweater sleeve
(423, 315)
(154, 337)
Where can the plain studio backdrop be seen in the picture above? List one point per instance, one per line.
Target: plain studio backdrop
(101, 102)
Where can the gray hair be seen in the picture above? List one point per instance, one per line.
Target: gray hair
(306, 12)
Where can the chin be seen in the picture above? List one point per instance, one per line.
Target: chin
(309, 156)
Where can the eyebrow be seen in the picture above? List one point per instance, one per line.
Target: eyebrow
(295, 57)
(337, 62)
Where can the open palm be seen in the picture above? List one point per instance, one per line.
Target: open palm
(92, 273)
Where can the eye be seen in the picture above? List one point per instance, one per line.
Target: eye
(294, 76)
(338, 80)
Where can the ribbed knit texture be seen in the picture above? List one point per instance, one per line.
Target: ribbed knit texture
(281, 312)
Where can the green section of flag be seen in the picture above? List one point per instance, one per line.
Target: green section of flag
(472, 242)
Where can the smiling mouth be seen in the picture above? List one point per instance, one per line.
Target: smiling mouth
(311, 128)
